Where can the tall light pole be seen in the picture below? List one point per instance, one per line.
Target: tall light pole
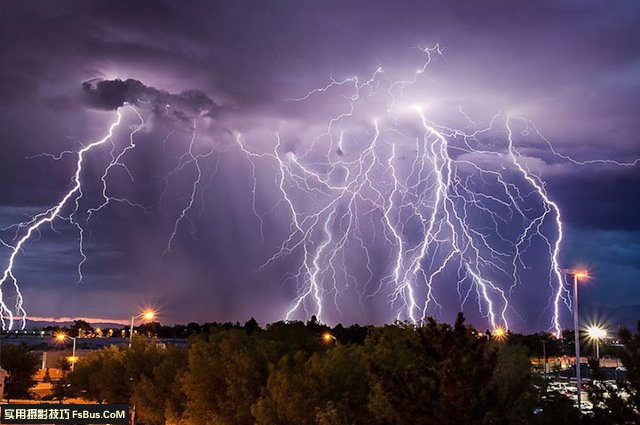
(146, 315)
(577, 274)
(544, 354)
(62, 337)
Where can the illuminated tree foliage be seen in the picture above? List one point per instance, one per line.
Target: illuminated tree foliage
(288, 374)
(446, 375)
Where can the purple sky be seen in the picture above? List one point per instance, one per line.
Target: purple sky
(571, 67)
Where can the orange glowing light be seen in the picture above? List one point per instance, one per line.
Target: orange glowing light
(72, 359)
(581, 274)
(61, 337)
(149, 315)
(499, 333)
(327, 337)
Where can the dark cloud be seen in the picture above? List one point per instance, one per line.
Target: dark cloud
(112, 94)
(600, 197)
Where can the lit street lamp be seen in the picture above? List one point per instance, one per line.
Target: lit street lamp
(596, 333)
(499, 333)
(62, 337)
(327, 338)
(146, 315)
(577, 274)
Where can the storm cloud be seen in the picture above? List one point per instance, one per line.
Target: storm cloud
(112, 94)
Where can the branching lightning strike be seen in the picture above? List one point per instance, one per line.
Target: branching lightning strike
(463, 207)
(32, 226)
(69, 208)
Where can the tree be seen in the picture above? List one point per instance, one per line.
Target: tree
(443, 374)
(193, 328)
(621, 404)
(330, 387)
(251, 325)
(158, 397)
(21, 364)
(150, 329)
(109, 375)
(61, 386)
(289, 337)
(101, 376)
(79, 326)
(397, 376)
(286, 375)
(225, 377)
(595, 372)
(514, 396)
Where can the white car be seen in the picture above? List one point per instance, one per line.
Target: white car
(586, 405)
(558, 386)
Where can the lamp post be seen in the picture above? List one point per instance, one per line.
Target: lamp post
(146, 315)
(577, 274)
(544, 354)
(62, 337)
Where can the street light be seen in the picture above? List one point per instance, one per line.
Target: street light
(327, 338)
(146, 315)
(500, 333)
(577, 275)
(62, 337)
(596, 333)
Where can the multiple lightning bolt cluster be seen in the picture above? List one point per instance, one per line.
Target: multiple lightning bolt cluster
(386, 203)
(380, 202)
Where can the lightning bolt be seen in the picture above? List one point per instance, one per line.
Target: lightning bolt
(32, 226)
(68, 209)
(189, 158)
(466, 205)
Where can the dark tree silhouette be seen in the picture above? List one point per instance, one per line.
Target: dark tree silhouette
(21, 364)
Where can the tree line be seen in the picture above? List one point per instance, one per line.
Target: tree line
(288, 373)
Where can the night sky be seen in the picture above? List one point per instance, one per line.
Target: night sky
(571, 67)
